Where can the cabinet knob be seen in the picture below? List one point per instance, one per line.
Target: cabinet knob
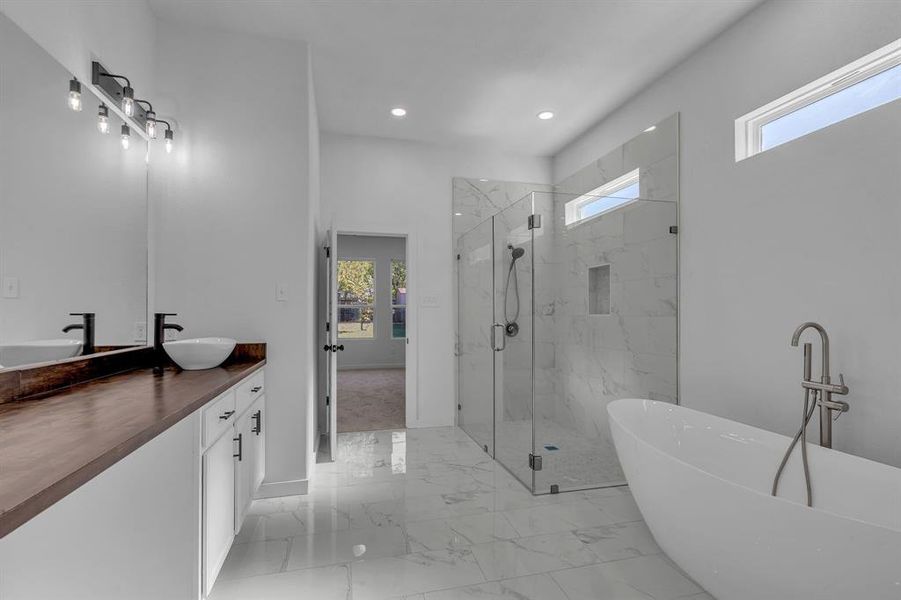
(255, 389)
(226, 415)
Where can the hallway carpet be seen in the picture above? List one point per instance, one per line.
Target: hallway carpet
(371, 399)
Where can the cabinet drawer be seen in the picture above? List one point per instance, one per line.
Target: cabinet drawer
(248, 391)
(218, 416)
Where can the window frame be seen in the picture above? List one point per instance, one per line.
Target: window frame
(393, 305)
(748, 128)
(340, 305)
(608, 190)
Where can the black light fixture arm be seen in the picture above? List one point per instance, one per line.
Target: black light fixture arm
(166, 123)
(147, 102)
(127, 81)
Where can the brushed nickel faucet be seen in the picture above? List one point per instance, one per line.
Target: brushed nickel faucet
(816, 393)
(824, 388)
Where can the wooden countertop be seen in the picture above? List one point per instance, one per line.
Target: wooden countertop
(52, 445)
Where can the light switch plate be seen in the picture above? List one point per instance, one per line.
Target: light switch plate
(10, 287)
(281, 292)
(430, 301)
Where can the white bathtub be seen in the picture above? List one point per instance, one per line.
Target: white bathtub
(703, 486)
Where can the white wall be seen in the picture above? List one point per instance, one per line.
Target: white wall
(234, 215)
(382, 350)
(805, 231)
(382, 185)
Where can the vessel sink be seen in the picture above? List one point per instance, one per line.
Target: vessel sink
(200, 353)
(38, 351)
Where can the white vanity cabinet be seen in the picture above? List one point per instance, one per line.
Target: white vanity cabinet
(233, 468)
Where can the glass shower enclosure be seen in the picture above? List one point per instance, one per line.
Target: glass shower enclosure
(565, 303)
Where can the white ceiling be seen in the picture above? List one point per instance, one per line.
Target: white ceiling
(475, 71)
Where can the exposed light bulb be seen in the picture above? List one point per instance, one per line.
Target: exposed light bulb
(126, 137)
(103, 119)
(75, 95)
(128, 101)
(545, 115)
(398, 112)
(169, 141)
(150, 126)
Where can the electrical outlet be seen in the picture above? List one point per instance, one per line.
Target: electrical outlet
(10, 287)
(429, 301)
(281, 292)
(170, 335)
(140, 332)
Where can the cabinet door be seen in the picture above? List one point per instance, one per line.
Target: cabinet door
(258, 443)
(243, 468)
(218, 506)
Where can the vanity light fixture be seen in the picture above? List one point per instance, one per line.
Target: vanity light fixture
(168, 135)
(75, 94)
(103, 119)
(545, 115)
(126, 137)
(398, 112)
(150, 119)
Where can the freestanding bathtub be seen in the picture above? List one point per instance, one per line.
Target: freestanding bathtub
(703, 485)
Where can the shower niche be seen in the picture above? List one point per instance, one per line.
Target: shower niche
(559, 316)
(599, 290)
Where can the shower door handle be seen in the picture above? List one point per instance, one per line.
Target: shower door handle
(494, 337)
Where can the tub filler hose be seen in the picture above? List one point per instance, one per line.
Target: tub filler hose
(810, 405)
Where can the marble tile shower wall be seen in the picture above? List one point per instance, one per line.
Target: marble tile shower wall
(632, 352)
(475, 200)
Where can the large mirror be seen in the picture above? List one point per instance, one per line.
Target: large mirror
(73, 215)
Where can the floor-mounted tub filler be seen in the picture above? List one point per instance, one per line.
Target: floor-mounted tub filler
(703, 484)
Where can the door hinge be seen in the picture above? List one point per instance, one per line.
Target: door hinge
(458, 257)
(328, 401)
(328, 251)
(674, 229)
(459, 407)
(534, 221)
(535, 462)
(328, 326)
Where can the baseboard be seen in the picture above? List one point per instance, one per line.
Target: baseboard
(276, 489)
(362, 367)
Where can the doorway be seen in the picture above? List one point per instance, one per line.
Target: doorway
(366, 373)
(371, 301)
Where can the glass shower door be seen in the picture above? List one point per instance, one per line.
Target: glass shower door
(475, 281)
(513, 292)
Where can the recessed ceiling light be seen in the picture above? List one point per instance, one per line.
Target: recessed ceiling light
(545, 115)
(458, 214)
(483, 180)
(651, 128)
(398, 112)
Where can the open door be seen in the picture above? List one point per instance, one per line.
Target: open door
(332, 333)
(326, 416)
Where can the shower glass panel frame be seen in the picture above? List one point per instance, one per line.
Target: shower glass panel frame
(598, 304)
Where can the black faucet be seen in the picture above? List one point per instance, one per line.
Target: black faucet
(87, 325)
(159, 329)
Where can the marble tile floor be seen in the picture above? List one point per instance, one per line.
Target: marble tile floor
(424, 514)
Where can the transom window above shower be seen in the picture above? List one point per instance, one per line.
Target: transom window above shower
(611, 196)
